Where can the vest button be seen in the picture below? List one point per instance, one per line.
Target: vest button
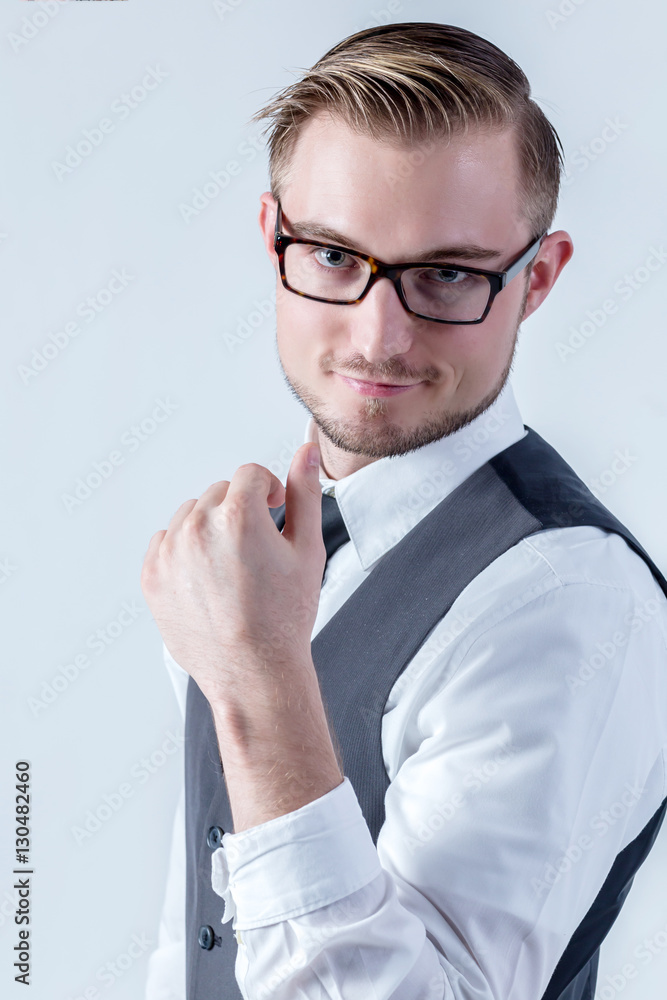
(205, 937)
(214, 838)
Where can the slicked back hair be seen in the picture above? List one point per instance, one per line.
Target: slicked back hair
(412, 84)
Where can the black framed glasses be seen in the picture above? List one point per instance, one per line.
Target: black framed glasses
(443, 293)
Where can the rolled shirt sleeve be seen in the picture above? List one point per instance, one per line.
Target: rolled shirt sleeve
(531, 770)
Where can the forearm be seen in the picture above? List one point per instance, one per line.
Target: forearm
(275, 744)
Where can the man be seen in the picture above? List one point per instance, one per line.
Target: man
(433, 773)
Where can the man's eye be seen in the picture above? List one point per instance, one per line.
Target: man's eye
(331, 258)
(448, 276)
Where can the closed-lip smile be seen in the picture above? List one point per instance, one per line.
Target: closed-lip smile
(367, 388)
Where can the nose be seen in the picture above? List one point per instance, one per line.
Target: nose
(379, 325)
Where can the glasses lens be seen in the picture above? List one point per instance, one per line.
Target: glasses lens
(442, 293)
(325, 273)
(435, 292)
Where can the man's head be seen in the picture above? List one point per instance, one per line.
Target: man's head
(399, 141)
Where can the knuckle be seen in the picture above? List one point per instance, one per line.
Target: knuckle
(194, 521)
(235, 510)
(185, 505)
(253, 472)
(167, 546)
(148, 576)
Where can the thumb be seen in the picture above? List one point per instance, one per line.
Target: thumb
(303, 498)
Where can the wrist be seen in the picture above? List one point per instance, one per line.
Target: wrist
(276, 721)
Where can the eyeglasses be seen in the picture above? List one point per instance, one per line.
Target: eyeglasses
(444, 293)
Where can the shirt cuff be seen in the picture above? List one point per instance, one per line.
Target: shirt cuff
(297, 862)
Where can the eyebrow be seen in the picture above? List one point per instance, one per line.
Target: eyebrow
(463, 251)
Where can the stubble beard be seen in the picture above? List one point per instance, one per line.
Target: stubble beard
(371, 433)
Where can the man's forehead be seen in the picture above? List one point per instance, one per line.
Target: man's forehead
(326, 129)
(456, 199)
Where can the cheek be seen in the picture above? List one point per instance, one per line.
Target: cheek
(496, 333)
(508, 302)
(479, 345)
(290, 326)
(304, 330)
(476, 354)
(298, 341)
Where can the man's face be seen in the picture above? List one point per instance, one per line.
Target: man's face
(383, 202)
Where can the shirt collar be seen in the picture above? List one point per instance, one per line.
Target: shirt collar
(384, 500)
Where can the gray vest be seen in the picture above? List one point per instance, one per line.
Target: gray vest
(359, 654)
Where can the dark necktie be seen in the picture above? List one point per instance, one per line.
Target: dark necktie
(334, 531)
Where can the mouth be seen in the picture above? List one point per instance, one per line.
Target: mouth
(377, 388)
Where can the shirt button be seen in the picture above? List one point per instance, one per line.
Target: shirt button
(205, 937)
(214, 837)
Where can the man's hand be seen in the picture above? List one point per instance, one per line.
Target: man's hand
(232, 597)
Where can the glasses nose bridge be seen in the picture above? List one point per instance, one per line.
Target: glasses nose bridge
(390, 271)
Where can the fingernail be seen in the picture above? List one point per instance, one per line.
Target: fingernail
(313, 457)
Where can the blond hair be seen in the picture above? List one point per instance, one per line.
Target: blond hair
(413, 83)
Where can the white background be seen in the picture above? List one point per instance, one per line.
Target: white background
(166, 336)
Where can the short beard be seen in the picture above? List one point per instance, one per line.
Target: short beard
(374, 437)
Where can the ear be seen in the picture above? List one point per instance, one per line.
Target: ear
(267, 224)
(553, 255)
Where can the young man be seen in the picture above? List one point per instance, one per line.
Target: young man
(432, 772)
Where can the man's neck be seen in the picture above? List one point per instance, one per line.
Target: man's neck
(336, 463)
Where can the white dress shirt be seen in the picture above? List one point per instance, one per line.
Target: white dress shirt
(525, 745)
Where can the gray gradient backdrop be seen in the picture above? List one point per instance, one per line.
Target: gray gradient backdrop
(187, 330)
